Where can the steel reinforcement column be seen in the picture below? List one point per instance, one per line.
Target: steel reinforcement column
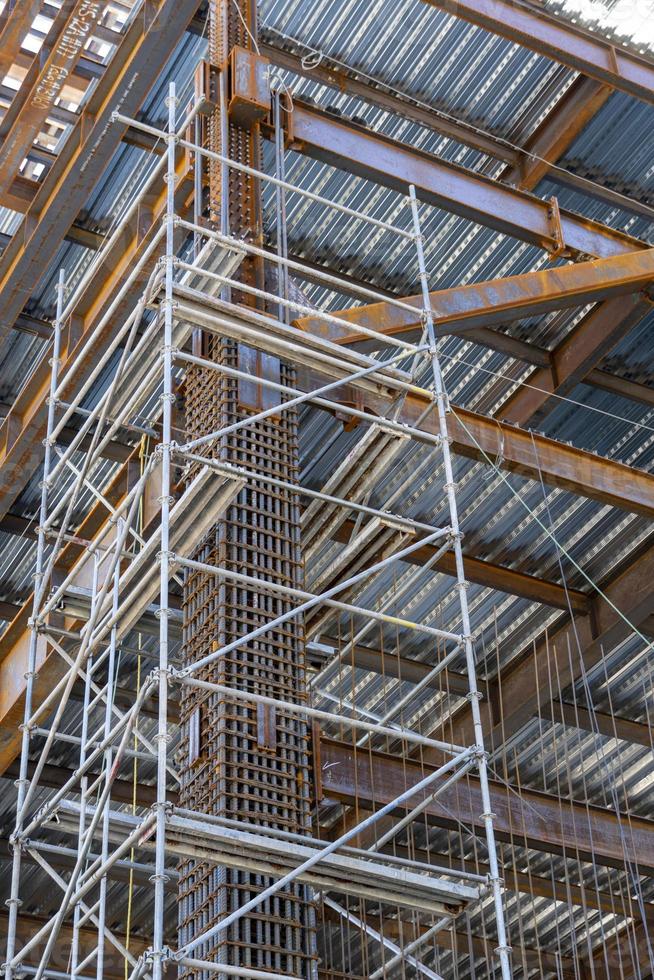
(238, 762)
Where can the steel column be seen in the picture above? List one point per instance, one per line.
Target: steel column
(234, 752)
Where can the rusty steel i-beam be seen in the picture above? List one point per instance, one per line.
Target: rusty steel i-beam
(559, 40)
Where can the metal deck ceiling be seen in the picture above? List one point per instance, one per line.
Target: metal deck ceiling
(621, 21)
(495, 522)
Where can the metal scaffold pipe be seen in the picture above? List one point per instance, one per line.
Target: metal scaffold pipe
(323, 853)
(503, 949)
(39, 587)
(160, 878)
(405, 734)
(389, 425)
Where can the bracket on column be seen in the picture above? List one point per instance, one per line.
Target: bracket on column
(248, 87)
(559, 247)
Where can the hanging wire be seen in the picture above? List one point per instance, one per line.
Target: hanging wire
(599, 746)
(237, 7)
(316, 56)
(454, 358)
(564, 551)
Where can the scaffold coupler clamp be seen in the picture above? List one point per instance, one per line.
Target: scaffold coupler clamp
(18, 972)
(15, 840)
(168, 809)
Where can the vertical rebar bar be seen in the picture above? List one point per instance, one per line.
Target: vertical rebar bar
(280, 201)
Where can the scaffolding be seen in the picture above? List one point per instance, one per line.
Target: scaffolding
(127, 583)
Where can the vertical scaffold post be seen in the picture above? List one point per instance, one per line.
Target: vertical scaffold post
(108, 759)
(14, 900)
(84, 781)
(158, 951)
(503, 949)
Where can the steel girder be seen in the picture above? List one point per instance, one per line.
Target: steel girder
(557, 131)
(616, 284)
(328, 74)
(89, 148)
(15, 23)
(525, 166)
(369, 779)
(513, 212)
(389, 664)
(612, 726)
(525, 682)
(529, 454)
(500, 301)
(491, 576)
(45, 80)
(537, 356)
(479, 199)
(357, 150)
(559, 40)
(573, 360)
